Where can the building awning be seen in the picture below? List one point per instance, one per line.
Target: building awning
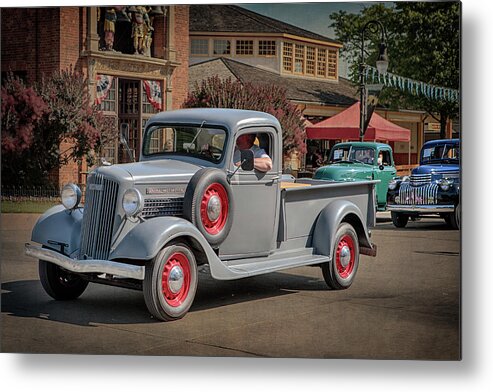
(345, 126)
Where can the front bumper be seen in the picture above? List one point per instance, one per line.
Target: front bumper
(421, 209)
(86, 266)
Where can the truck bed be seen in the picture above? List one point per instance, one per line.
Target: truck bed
(303, 200)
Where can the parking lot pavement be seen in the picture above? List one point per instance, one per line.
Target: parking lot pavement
(404, 304)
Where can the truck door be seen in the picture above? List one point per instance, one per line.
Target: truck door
(256, 199)
(384, 175)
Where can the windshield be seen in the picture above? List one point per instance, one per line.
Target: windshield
(352, 154)
(440, 153)
(198, 142)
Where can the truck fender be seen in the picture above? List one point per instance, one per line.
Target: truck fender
(59, 229)
(329, 220)
(145, 240)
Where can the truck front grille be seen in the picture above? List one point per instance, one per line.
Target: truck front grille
(420, 179)
(99, 216)
(163, 207)
(409, 195)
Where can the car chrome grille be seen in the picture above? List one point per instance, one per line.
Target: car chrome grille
(172, 206)
(99, 217)
(420, 179)
(409, 195)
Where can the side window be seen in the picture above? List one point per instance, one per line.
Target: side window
(259, 142)
(384, 158)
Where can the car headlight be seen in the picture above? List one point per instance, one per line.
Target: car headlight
(392, 184)
(71, 196)
(445, 184)
(132, 202)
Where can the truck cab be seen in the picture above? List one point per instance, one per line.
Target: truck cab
(360, 161)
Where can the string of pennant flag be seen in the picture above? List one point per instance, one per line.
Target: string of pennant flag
(414, 87)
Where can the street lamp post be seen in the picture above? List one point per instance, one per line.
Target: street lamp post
(382, 66)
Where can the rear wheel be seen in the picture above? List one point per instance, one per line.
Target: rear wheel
(170, 282)
(60, 284)
(339, 273)
(398, 219)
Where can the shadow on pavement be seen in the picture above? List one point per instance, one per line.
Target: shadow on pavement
(101, 304)
(423, 225)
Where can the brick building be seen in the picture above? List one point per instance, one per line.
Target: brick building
(129, 79)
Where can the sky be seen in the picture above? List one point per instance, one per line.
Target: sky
(309, 16)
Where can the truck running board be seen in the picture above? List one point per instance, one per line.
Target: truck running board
(262, 266)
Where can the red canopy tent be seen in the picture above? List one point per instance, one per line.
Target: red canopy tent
(345, 126)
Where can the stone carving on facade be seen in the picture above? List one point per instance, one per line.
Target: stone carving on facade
(141, 29)
(124, 66)
(112, 15)
(139, 41)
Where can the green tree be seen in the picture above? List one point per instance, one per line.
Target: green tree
(217, 93)
(423, 41)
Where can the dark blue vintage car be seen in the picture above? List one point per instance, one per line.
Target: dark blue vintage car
(433, 187)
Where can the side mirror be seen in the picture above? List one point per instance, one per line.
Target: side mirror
(247, 160)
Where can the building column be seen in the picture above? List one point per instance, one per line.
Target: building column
(92, 44)
(170, 44)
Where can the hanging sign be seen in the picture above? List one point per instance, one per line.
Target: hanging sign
(372, 93)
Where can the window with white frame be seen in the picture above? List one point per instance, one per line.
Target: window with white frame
(199, 47)
(321, 62)
(287, 56)
(244, 47)
(309, 60)
(299, 57)
(266, 48)
(222, 47)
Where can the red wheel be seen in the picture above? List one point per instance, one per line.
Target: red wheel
(208, 204)
(340, 271)
(214, 208)
(344, 256)
(170, 282)
(175, 279)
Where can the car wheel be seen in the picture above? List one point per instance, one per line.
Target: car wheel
(60, 284)
(340, 271)
(208, 204)
(399, 220)
(170, 282)
(453, 219)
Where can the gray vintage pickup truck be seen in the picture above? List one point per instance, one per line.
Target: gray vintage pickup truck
(194, 199)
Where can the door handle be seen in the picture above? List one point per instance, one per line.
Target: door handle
(275, 178)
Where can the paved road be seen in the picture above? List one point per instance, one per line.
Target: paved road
(404, 304)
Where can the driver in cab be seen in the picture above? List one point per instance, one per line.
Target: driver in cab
(262, 161)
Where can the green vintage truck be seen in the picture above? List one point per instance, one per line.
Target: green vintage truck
(361, 161)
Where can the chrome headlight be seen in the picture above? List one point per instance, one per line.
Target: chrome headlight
(405, 179)
(445, 184)
(71, 196)
(392, 184)
(132, 202)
